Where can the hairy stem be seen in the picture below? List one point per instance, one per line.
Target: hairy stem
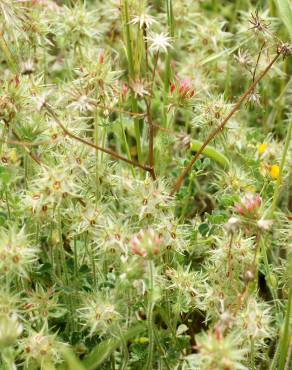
(96, 147)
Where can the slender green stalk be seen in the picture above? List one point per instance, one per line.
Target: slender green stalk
(124, 137)
(186, 202)
(7, 355)
(170, 18)
(75, 256)
(132, 78)
(268, 271)
(96, 138)
(278, 185)
(167, 74)
(149, 364)
(93, 266)
(286, 335)
(61, 246)
(6, 51)
(252, 354)
(272, 8)
(7, 204)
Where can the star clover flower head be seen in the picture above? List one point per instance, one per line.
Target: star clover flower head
(159, 42)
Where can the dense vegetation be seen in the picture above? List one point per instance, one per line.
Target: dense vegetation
(145, 201)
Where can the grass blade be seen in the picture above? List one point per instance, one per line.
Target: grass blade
(285, 12)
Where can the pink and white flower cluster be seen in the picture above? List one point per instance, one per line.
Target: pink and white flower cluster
(146, 244)
(249, 205)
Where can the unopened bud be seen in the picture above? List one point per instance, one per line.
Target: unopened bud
(232, 224)
(249, 275)
(265, 224)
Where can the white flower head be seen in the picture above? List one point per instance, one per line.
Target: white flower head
(159, 41)
(265, 224)
(144, 20)
(232, 224)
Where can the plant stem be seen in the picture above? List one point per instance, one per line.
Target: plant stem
(96, 156)
(125, 140)
(286, 335)
(132, 79)
(7, 204)
(268, 271)
(150, 318)
(278, 185)
(151, 139)
(167, 76)
(7, 53)
(75, 257)
(146, 51)
(154, 71)
(93, 266)
(96, 147)
(218, 129)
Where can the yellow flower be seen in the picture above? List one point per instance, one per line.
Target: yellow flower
(13, 155)
(141, 340)
(275, 171)
(262, 148)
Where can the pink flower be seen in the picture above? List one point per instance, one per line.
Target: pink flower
(145, 243)
(249, 205)
(184, 88)
(125, 90)
(172, 87)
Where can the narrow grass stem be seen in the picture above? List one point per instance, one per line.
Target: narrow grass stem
(278, 185)
(132, 78)
(154, 71)
(7, 53)
(151, 139)
(149, 364)
(124, 137)
(167, 74)
(286, 334)
(7, 204)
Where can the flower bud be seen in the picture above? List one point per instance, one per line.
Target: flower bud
(232, 224)
(265, 224)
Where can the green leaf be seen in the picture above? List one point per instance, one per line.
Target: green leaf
(46, 267)
(84, 269)
(204, 229)
(5, 175)
(285, 12)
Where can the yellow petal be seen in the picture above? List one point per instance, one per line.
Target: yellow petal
(13, 155)
(275, 171)
(262, 148)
